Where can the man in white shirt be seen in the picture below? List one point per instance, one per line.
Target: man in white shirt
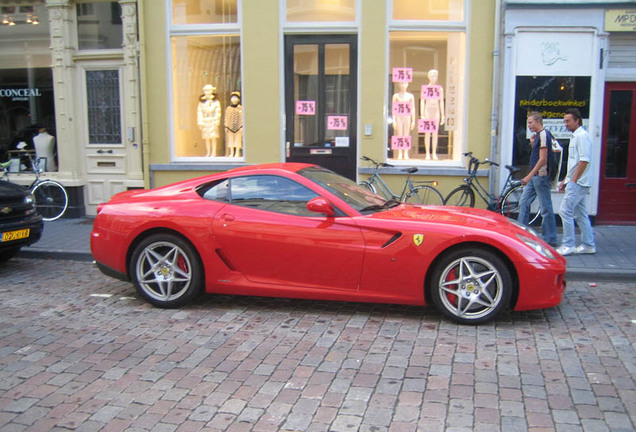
(577, 185)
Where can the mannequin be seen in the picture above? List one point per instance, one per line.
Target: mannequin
(45, 148)
(209, 119)
(403, 122)
(432, 108)
(234, 126)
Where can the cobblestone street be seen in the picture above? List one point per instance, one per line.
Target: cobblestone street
(80, 351)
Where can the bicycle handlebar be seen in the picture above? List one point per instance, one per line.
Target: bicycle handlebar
(376, 163)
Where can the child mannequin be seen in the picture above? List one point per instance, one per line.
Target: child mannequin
(234, 126)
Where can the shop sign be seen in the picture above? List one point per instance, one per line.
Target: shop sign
(19, 94)
(620, 20)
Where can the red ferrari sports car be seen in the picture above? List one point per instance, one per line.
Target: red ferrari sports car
(298, 230)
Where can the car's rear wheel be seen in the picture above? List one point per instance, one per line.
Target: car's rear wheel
(471, 286)
(166, 270)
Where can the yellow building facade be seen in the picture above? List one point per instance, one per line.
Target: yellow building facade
(321, 81)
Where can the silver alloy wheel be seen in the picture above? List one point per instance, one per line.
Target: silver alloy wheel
(164, 271)
(470, 288)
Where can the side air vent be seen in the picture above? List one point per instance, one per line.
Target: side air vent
(392, 240)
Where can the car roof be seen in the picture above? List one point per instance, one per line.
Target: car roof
(284, 166)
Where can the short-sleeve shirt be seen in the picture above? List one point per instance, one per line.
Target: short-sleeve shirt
(580, 149)
(540, 141)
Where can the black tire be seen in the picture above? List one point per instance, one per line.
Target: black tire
(462, 196)
(368, 185)
(166, 270)
(471, 286)
(7, 254)
(51, 199)
(426, 195)
(510, 205)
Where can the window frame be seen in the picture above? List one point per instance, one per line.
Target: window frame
(186, 30)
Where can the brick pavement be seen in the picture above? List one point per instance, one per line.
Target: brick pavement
(78, 351)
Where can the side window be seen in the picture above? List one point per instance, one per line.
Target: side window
(271, 193)
(217, 191)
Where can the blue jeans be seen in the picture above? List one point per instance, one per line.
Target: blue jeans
(574, 207)
(539, 187)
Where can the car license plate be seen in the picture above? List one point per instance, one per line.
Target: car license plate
(15, 235)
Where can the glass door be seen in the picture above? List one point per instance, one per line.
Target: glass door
(320, 99)
(617, 195)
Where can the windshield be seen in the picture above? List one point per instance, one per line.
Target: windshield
(356, 196)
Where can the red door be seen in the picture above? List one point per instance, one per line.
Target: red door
(617, 196)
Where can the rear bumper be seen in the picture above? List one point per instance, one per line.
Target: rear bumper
(112, 272)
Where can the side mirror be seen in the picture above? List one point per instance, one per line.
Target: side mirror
(321, 205)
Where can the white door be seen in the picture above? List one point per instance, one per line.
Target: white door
(110, 134)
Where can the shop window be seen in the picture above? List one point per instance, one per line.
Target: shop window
(206, 86)
(430, 10)
(204, 12)
(99, 26)
(27, 100)
(104, 107)
(425, 82)
(321, 10)
(550, 96)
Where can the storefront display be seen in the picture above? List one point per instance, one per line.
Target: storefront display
(206, 73)
(431, 64)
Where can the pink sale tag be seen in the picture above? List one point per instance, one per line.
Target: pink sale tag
(305, 107)
(427, 126)
(337, 122)
(402, 74)
(400, 142)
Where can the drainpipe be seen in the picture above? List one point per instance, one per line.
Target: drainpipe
(496, 88)
(143, 98)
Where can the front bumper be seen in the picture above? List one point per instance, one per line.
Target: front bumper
(33, 223)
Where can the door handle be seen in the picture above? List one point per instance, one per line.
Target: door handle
(630, 184)
(100, 151)
(228, 217)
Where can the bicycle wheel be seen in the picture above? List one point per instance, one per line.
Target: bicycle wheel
(510, 205)
(426, 195)
(51, 199)
(462, 196)
(368, 185)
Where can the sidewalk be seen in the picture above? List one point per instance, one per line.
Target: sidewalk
(615, 258)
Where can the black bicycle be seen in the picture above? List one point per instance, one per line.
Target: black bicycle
(51, 199)
(506, 203)
(420, 192)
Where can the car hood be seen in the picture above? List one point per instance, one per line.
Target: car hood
(11, 191)
(447, 215)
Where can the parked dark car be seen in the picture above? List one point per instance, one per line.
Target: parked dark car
(20, 224)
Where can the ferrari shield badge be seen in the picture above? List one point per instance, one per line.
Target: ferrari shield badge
(418, 239)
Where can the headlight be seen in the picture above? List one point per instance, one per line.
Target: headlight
(536, 246)
(28, 199)
(524, 227)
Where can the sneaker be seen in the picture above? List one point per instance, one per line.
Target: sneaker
(565, 250)
(584, 249)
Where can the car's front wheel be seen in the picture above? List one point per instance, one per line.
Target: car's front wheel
(7, 254)
(471, 286)
(166, 270)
